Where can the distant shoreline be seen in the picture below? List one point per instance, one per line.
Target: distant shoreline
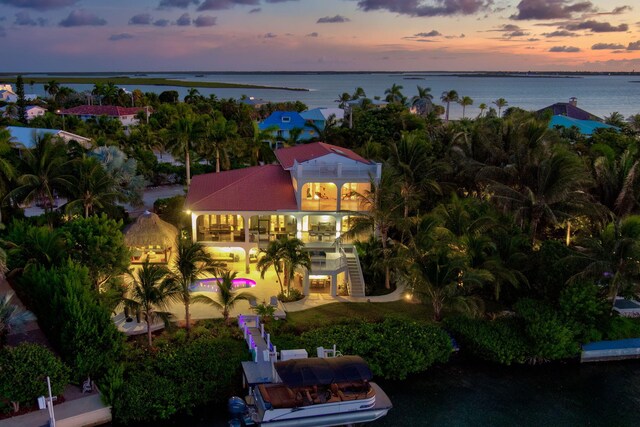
(141, 81)
(406, 73)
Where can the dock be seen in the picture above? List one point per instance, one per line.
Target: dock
(603, 351)
(263, 352)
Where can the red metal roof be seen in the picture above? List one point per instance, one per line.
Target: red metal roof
(305, 152)
(258, 188)
(102, 110)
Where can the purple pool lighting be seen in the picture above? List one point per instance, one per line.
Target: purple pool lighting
(211, 285)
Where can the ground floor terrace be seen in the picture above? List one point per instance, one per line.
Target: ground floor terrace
(263, 292)
(233, 227)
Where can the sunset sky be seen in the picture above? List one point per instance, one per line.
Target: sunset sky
(341, 35)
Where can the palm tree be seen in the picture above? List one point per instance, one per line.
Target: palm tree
(343, 100)
(617, 181)
(465, 101)
(422, 102)
(394, 94)
(98, 91)
(182, 135)
(500, 103)
(441, 276)
(271, 257)
(482, 107)
(7, 169)
(380, 214)
(52, 87)
(359, 93)
(91, 187)
(11, 317)
(150, 294)
(216, 134)
(193, 96)
(613, 256)
(110, 93)
(547, 191)
(615, 119)
(448, 97)
(225, 298)
(259, 144)
(293, 256)
(124, 172)
(191, 262)
(44, 173)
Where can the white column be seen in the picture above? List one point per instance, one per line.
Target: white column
(194, 227)
(305, 283)
(334, 285)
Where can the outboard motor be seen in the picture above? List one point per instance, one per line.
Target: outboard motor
(237, 409)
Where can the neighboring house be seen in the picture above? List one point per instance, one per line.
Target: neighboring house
(32, 111)
(567, 115)
(254, 102)
(308, 195)
(6, 87)
(320, 116)
(126, 115)
(284, 122)
(570, 109)
(27, 136)
(372, 102)
(585, 127)
(8, 96)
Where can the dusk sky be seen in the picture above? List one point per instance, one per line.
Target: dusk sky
(341, 35)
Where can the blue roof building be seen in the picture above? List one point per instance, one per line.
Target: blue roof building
(585, 127)
(285, 121)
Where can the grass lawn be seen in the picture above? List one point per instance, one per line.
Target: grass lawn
(347, 311)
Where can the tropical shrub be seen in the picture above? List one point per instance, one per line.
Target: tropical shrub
(97, 243)
(290, 296)
(548, 335)
(622, 328)
(69, 314)
(178, 379)
(24, 371)
(500, 341)
(393, 348)
(584, 311)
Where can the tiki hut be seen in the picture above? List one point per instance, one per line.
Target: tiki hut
(150, 238)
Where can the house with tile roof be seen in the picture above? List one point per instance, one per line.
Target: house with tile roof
(283, 123)
(568, 115)
(309, 195)
(126, 115)
(585, 127)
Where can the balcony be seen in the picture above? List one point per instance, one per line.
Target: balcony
(321, 170)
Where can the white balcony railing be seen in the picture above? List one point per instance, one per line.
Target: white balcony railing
(337, 170)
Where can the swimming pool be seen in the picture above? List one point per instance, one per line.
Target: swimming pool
(211, 285)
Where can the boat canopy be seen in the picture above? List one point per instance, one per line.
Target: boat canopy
(323, 371)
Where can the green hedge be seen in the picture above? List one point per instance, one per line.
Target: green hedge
(500, 341)
(23, 372)
(393, 349)
(71, 317)
(179, 378)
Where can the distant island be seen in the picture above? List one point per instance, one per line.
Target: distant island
(121, 80)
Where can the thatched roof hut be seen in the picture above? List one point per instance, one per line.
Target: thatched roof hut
(150, 230)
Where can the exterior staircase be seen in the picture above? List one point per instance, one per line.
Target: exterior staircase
(356, 278)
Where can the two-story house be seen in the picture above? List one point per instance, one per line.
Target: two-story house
(310, 194)
(283, 123)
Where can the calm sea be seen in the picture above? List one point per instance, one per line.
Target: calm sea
(600, 95)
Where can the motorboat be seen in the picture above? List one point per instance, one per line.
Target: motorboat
(313, 392)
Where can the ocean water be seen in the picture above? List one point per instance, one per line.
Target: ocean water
(598, 94)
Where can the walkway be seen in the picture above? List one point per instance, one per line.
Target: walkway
(316, 300)
(86, 411)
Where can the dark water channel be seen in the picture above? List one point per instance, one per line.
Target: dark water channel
(602, 394)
